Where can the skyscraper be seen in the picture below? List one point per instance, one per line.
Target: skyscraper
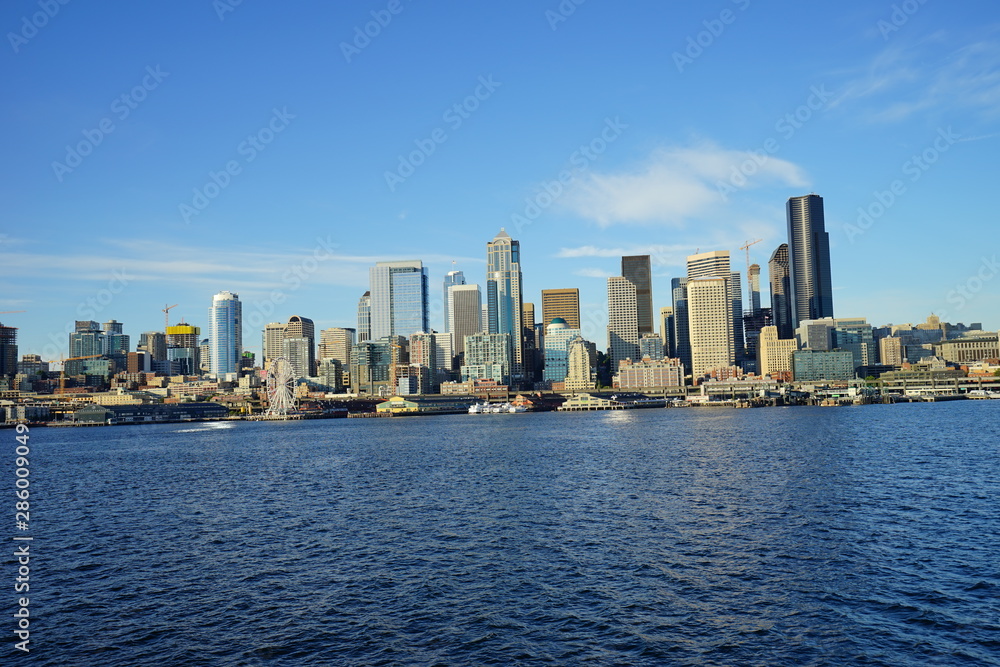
(781, 292)
(623, 325)
(225, 334)
(182, 347)
(303, 327)
(465, 312)
(754, 275)
(87, 340)
(637, 270)
(398, 299)
(667, 331)
(505, 298)
(451, 278)
(809, 260)
(711, 324)
(564, 303)
(272, 347)
(557, 338)
(715, 264)
(365, 317)
(682, 331)
(8, 351)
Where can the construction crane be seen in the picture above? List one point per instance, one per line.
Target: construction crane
(746, 247)
(166, 317)
(62, 369)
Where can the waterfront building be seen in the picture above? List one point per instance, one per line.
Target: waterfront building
(781, 292)
(365, 317)
(817, 365)
(557, 339)
(637, 270)
(225, 334)
(650, 374)
(651, 346)
(399, 302)
(774, 354)
(581, 372)
(451, 279)
(969, 348)
(710, 319)
(465, 315)
(623, 324)
(845, 333)
(563, 303)
(505, 299)
(808, 260)
(667, 331)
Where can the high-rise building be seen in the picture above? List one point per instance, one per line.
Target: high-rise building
(754, 276)
(651, 345)
(336, 343)
(155, 345)
(465, 314)
(399, 302)
(303, 327)
(272, 346)
(716, 264)
(667, 331)
(8, 351)
(557, 339)
(710, 323)
(623, 325)
(564, 303)
(891, 349)
(182, 347)
(682, 329)
(781, 292)
(88, 340)
(225, 334)
(487, 357)
(637, 270)
(450, 279)
(809, 260)
(774, 354)
(365, 317)
(582, 369)
(297, 350)
(505, 298)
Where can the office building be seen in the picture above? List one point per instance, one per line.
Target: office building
(272, 345)
(8, 351)
(562, 303)
(581, 372)
(487, 357)
(182, 347)
(681, 325)
(891, 351)
(505, 299)
(637, 270)
(465, 314)
(650, 374)
(816, 365)
(781, 292)
(623, 325)
(716, 264)
(450, 279)
(808, 260)
(225, 334)
(753, 275)
(297, 351)
(303, 327)
(774, 354)
(557, 339)
(399, 302)
(667, 331)
(651, 346)
(710, 324)
(154, 343)
(365, 317)
(87, 340)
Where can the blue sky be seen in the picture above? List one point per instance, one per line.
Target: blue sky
(157, 153)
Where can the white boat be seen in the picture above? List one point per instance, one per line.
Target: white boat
(479, 408)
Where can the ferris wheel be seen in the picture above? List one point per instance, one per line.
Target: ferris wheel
(280, 388)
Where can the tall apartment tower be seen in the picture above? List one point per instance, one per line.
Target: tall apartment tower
(465, 314)
(398, 299)
(451, 278)
(711, 324)
(564, 303)
(225, 334)
(505, 300)
(781, 292)
(809, 260)
(637, 270)
(623, 324)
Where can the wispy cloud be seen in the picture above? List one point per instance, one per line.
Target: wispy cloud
(593, 273)
(673, 186)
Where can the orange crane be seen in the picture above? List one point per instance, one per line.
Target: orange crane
(166, 317)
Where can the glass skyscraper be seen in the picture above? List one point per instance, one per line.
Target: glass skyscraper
(504, 297)
(225, 334)
(637, 270)
(781, 292)
(398, 299)
(809, 260)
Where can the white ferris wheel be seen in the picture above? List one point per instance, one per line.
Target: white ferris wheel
(280, 388)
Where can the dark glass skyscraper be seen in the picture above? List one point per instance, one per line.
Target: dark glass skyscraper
(809, 260)
(637, 270)
(781, 292)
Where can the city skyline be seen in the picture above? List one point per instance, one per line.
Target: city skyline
(135, 179)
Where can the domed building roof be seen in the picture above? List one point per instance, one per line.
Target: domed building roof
(558, 323)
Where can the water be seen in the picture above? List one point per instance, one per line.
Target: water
(787, 536)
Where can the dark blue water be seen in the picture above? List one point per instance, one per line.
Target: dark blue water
(787, 536)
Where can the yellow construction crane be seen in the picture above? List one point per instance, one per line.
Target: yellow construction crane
(166, 317)
(746, 246)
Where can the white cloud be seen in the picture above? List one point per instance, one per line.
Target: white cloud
(593, 273)
(674, 186)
